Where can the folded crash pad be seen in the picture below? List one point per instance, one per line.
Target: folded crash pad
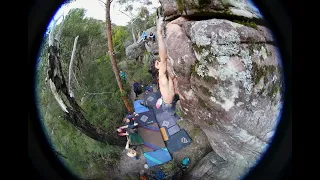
(145, 118)
(138, 108)
(178, 141)
(174, 129)
(151, 98)
(157, 157)
(152, 138)
(166, 119)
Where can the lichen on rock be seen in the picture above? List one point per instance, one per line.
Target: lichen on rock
(229, 75)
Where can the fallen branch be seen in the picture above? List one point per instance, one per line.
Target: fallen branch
(71, 63)
(73, 113)
(57, 96)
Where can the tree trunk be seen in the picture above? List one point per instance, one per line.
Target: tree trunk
(113, 60)
(134, 37)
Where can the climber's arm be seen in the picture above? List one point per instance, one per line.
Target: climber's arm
(127, 145)
(162, 50)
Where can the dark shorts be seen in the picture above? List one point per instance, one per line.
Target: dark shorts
(131, 126)
(171, 108)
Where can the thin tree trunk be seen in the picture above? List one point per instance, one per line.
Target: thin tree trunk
(134, 37)
(70, 65)
(113, 59)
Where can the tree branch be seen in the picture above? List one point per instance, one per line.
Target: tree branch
(102, 2)
(125, 14)
(71, 63)
(60, 29)
(57, 96)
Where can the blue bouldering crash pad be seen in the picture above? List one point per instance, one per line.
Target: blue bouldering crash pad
(138, 108)
(157, 157)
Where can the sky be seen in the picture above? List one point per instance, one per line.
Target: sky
(95, 9)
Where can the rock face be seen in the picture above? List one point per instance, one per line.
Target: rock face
(230, 76)
(133, 51)
(212, 166)
(174, 8)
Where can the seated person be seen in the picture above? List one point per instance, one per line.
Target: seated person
(129, 121)
(129, 125)
(152, 37)
(122, 132)
(144, 36)
(131, 152)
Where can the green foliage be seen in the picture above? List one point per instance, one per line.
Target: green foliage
(170, 167)
(119, 36)
(83, 155)
(195, 132)
(104, 110)
(91, 43)
(138, 72)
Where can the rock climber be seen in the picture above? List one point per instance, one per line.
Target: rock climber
(166, 83)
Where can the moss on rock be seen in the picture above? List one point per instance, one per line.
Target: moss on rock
(261, 72)
(203, 104)
(247, 23)
(210, 79)
(205, 91)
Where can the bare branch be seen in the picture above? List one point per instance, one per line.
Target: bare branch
(71, 63)
(102, 2)
(60, 30)
(51, 37)
(125, 14)
(57, 96)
